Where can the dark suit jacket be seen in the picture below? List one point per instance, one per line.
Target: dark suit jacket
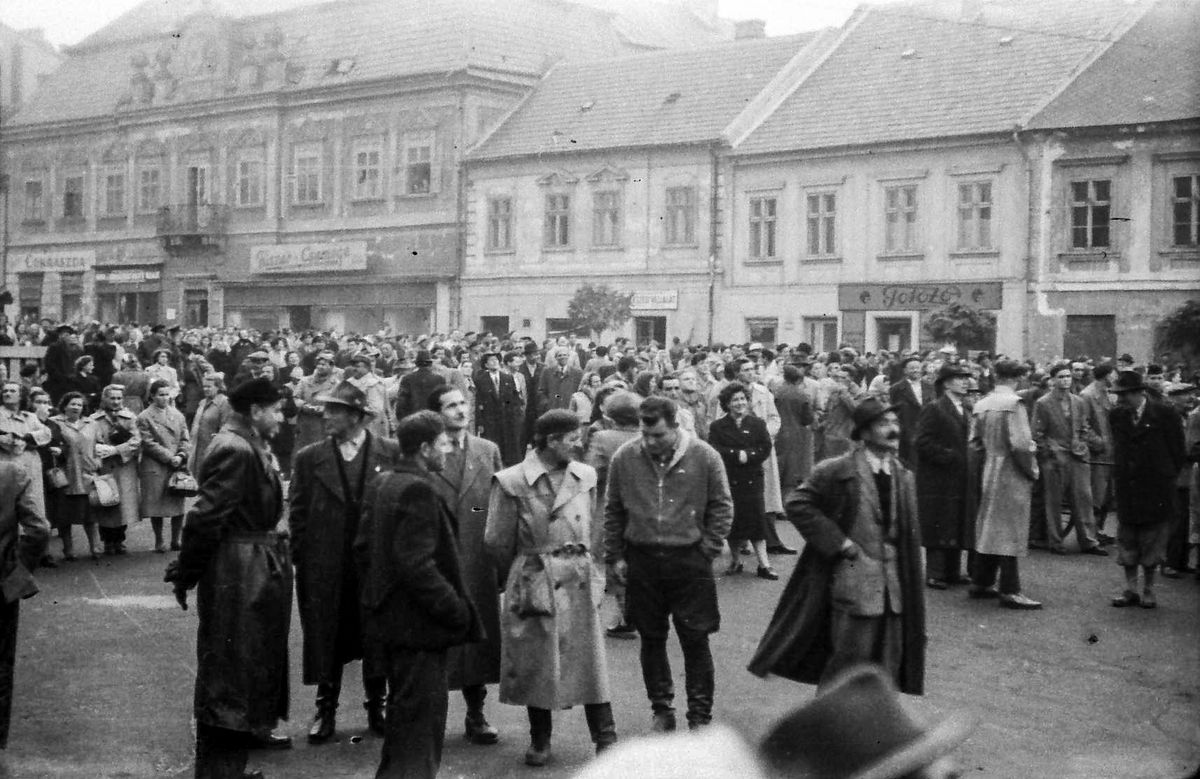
(415, 389)
(1147, 456)
(498, 414)
(555, 391)
(908, 409)
(943, 500)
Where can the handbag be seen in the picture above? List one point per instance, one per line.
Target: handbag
(533, 594)
(103, 492)
(57, 478)
(182, 484)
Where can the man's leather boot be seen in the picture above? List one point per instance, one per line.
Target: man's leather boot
(375, 704)
(541, 723)
(476, 728)
(324, 722)
(600, 723)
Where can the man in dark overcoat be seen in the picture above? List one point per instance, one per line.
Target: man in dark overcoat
(465, 485)
(856, 593)
(558, 382)
(943, 501)
(415, 387)
(1148, 453)
(242, 571)
(328, 482)
(498, 411)
(59, 361)
(909, 395)
(532, 371)
(415, 598)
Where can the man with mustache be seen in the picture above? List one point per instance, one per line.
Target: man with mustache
(856, 594)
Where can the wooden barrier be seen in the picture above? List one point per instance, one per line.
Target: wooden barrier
(13, 357)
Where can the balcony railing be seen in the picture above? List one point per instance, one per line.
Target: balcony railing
(191, 225)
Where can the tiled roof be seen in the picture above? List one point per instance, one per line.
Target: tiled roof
(1152, 74)
(660, 98)
(909, 72)
(385, 38)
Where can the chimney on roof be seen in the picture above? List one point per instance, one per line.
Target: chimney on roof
(749, 29)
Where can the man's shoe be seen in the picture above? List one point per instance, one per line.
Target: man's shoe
(664, 722)
(1127, 598)
(1148, 601)
(1171, 573)
(272, 741)
(936, 584)
(1105, 539)
(766, 572)
(323, 726)
(1038, 545)
(477, 730)
(537, 755)
(781, 549)
(979, 592)
(1096, 550)
(1058, 550)
(1019, 601)
(621, 631)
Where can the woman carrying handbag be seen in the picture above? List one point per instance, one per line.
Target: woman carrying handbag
(164, 452)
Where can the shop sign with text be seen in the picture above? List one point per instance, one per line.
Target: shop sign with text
(52, 262)
(309, 257)
(919, 297)
(655, 301)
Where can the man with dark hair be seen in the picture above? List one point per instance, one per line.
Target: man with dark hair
(416, 386)
(498, 410)
(558, 382)
(244, 573)
(943, 499)
(465, 484)
(415, 600)
(909, 396)
(1100, 461)
(667, 514)
(328, 482)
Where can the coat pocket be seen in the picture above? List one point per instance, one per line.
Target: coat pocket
(532, 594)
(857, 586)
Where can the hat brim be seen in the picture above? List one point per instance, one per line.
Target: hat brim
(859, 428)
(1123, 390)
(336, 401)
(937, 741)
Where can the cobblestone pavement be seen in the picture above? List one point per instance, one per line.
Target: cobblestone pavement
(106, 664)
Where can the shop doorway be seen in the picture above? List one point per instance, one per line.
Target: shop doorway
(195, 308)
(300, 318)
(127, 307)
(1093, 335)
(894, 331)
(496, 325)
(650, 328)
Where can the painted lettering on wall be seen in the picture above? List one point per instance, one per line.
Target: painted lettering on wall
(918, 297)
(309, 257)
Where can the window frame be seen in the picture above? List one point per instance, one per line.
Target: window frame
(606, 218)
(1091, 203)
(360, 192)
(81, 211)
(975, 222)
(675, 213)
(556, 222)
(826, 220)
(494, 217)
(34, 213)
(410, 142)
(108, 191)
(911, 245)
(249, 191)
(1193, 201)
(141, 206)
(302, 180)
(760, 226)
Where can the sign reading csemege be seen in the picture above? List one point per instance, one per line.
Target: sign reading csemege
(309, 257)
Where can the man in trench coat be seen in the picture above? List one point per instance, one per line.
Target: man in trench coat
(329, 479)
(465, 485)
(856, 593)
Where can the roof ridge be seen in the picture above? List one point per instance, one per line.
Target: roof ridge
(504, 120)
(764, 104)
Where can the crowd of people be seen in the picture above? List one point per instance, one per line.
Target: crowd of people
(567, 469)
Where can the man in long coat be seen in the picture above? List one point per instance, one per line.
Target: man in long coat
(498, 411)
(416, 386)
(329, 479)
(310, 425)
(909, 396)
(856, 593)
(59, 361)
(558, 382)
(1010, 468)
(794, 444)
(1148, 452)
(465, 485)
(1100, 463)
(243, 574)
(943, 498)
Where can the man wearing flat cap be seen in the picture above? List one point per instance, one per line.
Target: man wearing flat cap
(856, 594)
(329, 479)
(242, 570)
(943, 500)
(310, 423)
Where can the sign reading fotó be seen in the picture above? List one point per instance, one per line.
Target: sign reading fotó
(309, 257)
(919, 297)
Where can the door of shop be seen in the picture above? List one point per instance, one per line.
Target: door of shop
(300, 318)
(1093, 335)
(650, 328)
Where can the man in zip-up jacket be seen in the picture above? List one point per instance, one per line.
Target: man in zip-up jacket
(667, 514)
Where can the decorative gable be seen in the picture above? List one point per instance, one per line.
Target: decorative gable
(558, 178)
(607, 175)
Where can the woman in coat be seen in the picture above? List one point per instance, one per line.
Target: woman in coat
(744, 444)
(839, 411)
(211, 414)
(79, 461)
(85, 382)
(160, 369)
(164, 451)
(116, 442)
(50, 454)
(538, 529)
(21, 433)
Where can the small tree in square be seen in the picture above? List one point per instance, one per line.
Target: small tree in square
(961, 326)
(1179, 332)
(597, 307)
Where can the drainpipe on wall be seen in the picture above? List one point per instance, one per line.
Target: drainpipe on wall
(713, 236)
(1030, 261)
(454, 315)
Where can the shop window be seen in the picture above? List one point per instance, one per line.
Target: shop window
(368, 182)
(681, 216)
(499, 227)
(1091, 209)
(762, 227)
(496, 325)
(35, 203)
(1093, 335)
(1185, 211)
(900, 219)
(975, 215)
(307, 175)
(149, 190)
(73, 197)
(762, 329)
(606, 218)
(558, 221)
(821, 216)
(650, 328)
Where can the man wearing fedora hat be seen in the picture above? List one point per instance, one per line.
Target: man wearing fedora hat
(1148, 452)
(310, 425)
(325, 497)
(416, 386)
(856, 594)
(943, 500)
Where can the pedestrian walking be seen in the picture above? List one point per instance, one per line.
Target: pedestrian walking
(242, 572)
(668, 512)
(325, 498)
(540, 531)
(856, 594)
(416, 599)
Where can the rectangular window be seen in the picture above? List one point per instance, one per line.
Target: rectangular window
(900, 219)
(250, 170)
(34, 203)
(762, 329)
(822, 223)
(762, 227)
(1185, 211)
(681, 215)
(73, 197)
(975, 215)
(307, 171)
(72, 297)
(114, 193)
(1091, 208)
(558, 220)
(149, 190)
(418, 165)
(368, 183)
(606, 219)
(499, 229)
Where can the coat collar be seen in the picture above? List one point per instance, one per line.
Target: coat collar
(579, 478)
(681, 447)
(474, 464)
